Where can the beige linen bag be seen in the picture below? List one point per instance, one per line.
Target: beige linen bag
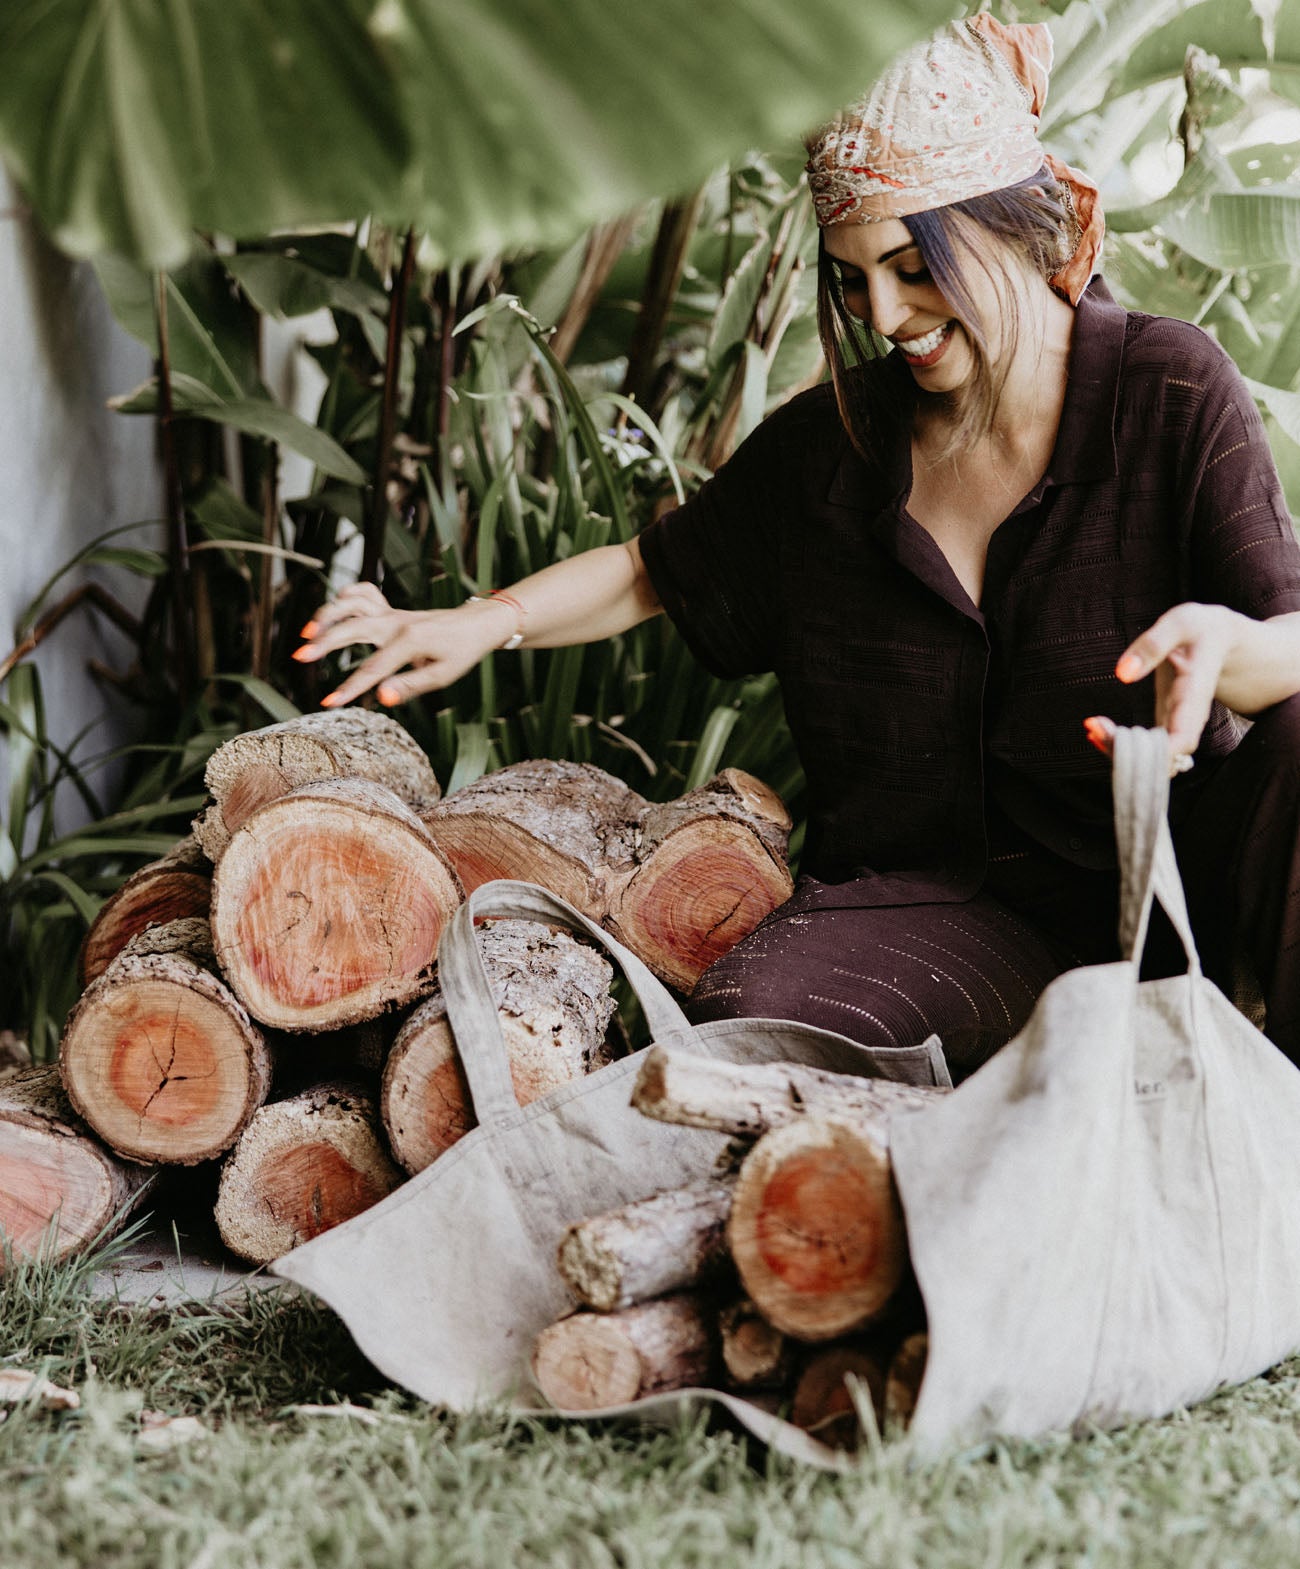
(1104, 1220)
(447, 1282)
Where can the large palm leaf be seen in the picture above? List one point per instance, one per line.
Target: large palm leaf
(487, 122)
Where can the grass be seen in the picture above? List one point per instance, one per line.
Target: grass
(404, 1485)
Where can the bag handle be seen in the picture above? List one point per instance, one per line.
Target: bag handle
(1148, 867)
(471, 1011)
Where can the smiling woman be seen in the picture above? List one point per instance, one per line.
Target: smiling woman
(1036, 511)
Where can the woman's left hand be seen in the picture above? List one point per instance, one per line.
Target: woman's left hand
(1202, 652)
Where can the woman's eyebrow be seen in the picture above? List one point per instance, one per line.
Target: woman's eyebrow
(898, 250)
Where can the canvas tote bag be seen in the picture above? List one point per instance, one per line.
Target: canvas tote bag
(447, 1282)
(1104, 1220)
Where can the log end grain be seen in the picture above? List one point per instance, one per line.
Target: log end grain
(328, 905)
(816, 1229)
(825, 1405)
(703, 888)
(302, 1166)
(174, 888)
(162, 1061)
(590, 1361)
(59, 1188)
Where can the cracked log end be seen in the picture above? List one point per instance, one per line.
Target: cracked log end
(816, 1230)
(704, 887)
(53, 1173)
(303, 1165)
(162, 1060)
(328, 905)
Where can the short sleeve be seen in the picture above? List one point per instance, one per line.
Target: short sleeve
(1243, 547)
(715, 562)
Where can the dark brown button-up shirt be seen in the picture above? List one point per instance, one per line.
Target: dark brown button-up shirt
(919, 716)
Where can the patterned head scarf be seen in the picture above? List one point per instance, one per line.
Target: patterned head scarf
(955, 116)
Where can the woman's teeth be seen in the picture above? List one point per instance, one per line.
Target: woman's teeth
(918, 348)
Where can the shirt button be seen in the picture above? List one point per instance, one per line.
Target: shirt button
(1074, 842)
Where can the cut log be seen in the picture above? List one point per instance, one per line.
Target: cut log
(903, 1382)
(593, 1360)
(159, 1056)
(176, 888)
(647, 1249)
(327, 906)
(816, 1230)
(755, 1354)
(710, 866)
(249, 771)
(569, 827)
(747, 1100)
(304, 1164)
(59, 1187)
(552, 997)
(823, 1403)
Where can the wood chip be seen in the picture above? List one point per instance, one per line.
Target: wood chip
(160, 1432)
(17, 1386)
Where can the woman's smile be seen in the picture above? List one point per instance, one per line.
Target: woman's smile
(926, 349)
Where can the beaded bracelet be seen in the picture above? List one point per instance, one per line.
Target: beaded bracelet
(517, 636)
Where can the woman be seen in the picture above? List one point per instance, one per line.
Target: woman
(965, 560)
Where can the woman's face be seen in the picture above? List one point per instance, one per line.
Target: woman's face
(885, 282)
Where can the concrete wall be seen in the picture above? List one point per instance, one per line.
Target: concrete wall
(70, 468)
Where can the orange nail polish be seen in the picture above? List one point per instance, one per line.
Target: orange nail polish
(330, 700)
(310, 630)
(1096, 733)
(388, 695)
(1129, 668)
(303, 655)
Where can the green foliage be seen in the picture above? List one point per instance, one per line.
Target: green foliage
(489, 126)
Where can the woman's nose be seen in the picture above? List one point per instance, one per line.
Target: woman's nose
(888, 309)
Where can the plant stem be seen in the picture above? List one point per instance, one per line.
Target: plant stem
(182, 587)
(378, 514)
(91, 593)
(667, 263)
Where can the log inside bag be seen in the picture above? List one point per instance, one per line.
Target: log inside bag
(253, 769)
(554, 1006)
(159, 1056)
(327, 906)
(648, 1248)
(747, 1100)
(303, 1165)
(591, 1360)
(816, 1230)
(177, 887)
(53, 1171)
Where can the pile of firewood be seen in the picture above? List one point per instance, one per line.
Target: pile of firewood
(266, 995)
(784, 1277)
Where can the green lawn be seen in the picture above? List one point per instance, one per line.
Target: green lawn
(401, 1485)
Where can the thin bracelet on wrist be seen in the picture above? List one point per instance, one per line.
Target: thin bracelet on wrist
(517, 636)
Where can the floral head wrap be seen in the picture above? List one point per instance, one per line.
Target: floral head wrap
(955, 116)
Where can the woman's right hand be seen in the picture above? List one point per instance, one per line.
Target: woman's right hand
(415, 650)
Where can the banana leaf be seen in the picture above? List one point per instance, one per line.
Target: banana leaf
(489, 123)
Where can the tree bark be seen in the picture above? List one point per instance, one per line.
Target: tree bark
(755, 1354)
(646, 1249)
(710, 866)
(251, 770)
(750, 1099)
(159, 1056)
(327, 906)
(823, 1404)
(816, 1229)
(553, 1001)
(59, 1187)
(592, 1360)
(303, 1165)
(175, 888)
(569, 827)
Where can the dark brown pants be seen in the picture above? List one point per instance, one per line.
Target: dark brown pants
(972, 972)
